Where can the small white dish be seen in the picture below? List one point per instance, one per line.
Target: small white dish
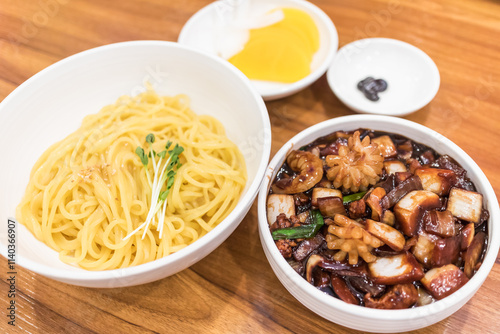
(412, 77)
(221, 28)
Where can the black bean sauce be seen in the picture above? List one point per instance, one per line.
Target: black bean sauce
(357, 278)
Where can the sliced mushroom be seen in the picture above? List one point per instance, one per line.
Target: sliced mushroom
(437, 180)
(324, 192)
(279, 203)
(339, 268)
(389, 235)
(409, 209)
(397, 269)
(314, 261)
(342, 290)
(307, 246)
(473, 254)
(399, 296)
(373, 199)
(386, 146)
(466, 205)
(393, 166)
(443, 281)
(365, 284)
(440, 223)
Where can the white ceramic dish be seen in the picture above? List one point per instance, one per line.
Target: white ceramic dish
(220, 27)
(52, 104)
(363, 318)
(412, 77)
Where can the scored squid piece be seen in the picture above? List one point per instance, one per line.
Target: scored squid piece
(310, 171)
(465, 204)
(279, 203)
(396, 269)
(443, 281)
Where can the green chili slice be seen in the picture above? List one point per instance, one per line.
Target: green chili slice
(303, 231)
(353, 197)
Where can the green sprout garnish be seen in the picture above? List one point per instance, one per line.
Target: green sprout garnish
(165, 170)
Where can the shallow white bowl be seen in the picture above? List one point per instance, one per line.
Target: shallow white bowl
(412, 77)
(363, 318)
(52, 104)
(210, 31)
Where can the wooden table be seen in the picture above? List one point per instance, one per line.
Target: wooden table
(234, 290)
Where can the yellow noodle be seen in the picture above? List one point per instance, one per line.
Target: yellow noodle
(90, 190)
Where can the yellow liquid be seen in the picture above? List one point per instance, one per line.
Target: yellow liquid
(281, 52)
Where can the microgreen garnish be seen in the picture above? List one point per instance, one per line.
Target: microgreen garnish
(165, 170)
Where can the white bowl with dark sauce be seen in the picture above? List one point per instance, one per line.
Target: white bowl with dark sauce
(329, 305)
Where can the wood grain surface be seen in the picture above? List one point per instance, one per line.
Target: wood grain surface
(234, 290)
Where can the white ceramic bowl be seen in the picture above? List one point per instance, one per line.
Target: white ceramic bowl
(210, 30)
(52, 104)
(363, 318)
(412, 77)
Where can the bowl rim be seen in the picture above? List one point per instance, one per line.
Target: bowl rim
(291, 88)
(81, 274)
(360, 311)
(424, 100)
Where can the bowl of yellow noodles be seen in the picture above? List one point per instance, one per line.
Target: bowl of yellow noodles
(128, 163)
